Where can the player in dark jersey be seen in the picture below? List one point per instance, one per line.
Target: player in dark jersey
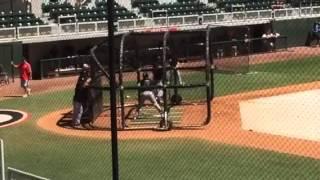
(147, 94)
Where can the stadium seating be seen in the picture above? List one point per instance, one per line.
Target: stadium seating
(152, 8)
(251, 5)
(18, 19)
(310, 3)
(120, 11)
(46, 8)
(306, 3)
(71, 14)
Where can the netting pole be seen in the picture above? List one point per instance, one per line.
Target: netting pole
(209, 84)
(248, 46)
(137, 59)
(12, 59)
(123, 38)
(113, 93)
(2, 160)
(209, 50)
(138, 70)
(165, 80)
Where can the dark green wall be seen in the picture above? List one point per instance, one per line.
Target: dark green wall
(45, 50)
(10, 52)
(296, 30)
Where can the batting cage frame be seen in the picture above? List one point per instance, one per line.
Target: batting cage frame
(139, 53)
(144, 53)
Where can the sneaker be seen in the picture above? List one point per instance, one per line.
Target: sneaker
(161, 123)
(162, 115)
(29, 91)
(25, 95)
(87, 126)
(76, 125)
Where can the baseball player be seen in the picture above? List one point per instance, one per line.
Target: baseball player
(81, 95)
(25, 75)
(147, 94)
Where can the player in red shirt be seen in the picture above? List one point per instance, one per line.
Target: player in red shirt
(25, 75)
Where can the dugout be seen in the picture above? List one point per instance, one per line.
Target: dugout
(10, 52)
(46, 57)
(156, 51)
(230, 48)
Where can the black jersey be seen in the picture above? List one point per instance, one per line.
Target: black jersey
(145, 84)
(82, 91)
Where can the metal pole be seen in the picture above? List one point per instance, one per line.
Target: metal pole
(113, 98)
(165, 80)
(2, 160)
(209, 56)
(123, 38)
(209, 84)
(12, 68)
(248, 46)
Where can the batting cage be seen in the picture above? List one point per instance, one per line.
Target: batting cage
(164, 79)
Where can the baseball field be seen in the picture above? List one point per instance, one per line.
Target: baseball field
(220, 150)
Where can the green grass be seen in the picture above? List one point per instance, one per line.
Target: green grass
(194, 159)
(66, 158)
(268, 76)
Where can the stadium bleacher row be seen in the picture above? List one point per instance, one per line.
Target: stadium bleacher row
(18, 19)
(64, 12)
(84, 14)
(152, 8)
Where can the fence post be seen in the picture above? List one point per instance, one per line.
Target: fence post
(2, 160)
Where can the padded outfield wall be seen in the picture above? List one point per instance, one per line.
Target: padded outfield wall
(296, 30)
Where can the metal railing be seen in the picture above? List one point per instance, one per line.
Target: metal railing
(8, 34)
(15, 174)
(55, 30)
(79, 28)
(56, 67)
